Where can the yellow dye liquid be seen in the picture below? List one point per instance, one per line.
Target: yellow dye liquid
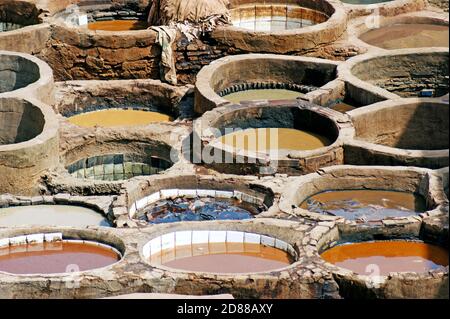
(265, 139)
(118, 117)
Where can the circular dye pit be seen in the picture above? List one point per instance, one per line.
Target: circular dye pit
(411, 73)
(401, 36)
(366, 205)
(384, 257)
(20, 121)
(199, 209)
(266, 139)
(118, 25)
(260, 17)
(223, 258)
(118, 117)
(262, 94)
(51, 215)
(17, 72)
(56, 257)
(117, 167)
(420, 125)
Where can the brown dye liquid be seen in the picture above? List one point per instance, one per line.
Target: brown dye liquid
(118, 117)
(401, 36)
(57, 257)
(118, 25)
(343, 107)
(283, 138)
(388, 256)
(223, 258)
(263, 94)
(367, 204)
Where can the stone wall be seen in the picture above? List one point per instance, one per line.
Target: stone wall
(442, 4)
(76, 54)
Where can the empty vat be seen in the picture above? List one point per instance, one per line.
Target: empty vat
(117, 167)
(420, 72)
(17, 72)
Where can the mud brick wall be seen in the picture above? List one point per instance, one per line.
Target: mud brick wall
(81, 55)
(192, 56)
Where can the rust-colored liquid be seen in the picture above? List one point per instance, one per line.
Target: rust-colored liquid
(383, 257)
(118, 25)
(57, 257)
(366, 204)
(223, 258)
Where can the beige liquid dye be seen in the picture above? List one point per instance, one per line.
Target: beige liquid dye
(283, 138)
(118, 117)
(223, 258)
(51, 215)
(118, 25)
(402, 36)
(263, 94)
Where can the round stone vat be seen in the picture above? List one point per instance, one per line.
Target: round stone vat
(391, 267)
(401, 132)
(365, 204)
(21, 121)
(384, 198)
(51, 215)
(135, 102)
(281, 26)
(276, 16)
(17, 72)
(25, 75)
(189, 198)
(260, 77)
(18, 14)
(420, 72)
(226, 252)
(28, 144)
(47, 254)
(111, 159)
(290, 137)
(117, 167)
(107, 16)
